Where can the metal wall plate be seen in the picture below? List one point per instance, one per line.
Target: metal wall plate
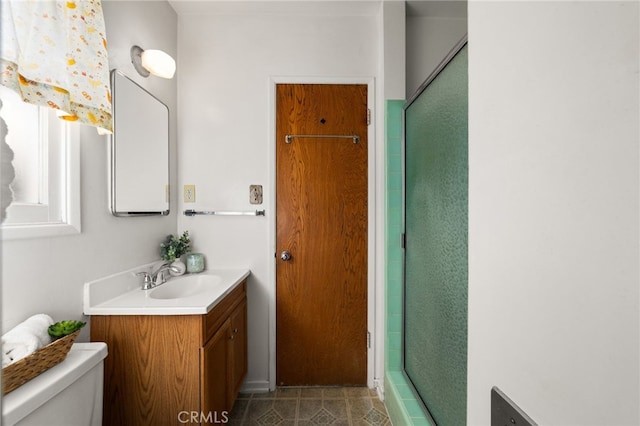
(255, 194)
(505, 412)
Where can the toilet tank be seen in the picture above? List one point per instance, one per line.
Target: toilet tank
(67, 394)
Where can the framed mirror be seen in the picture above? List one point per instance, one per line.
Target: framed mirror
(139, 150)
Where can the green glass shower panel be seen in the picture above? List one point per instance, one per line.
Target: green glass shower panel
(436, 218)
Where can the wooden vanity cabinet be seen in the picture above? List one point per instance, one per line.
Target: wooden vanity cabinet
(165, 369)
(238, 350)
(228, 348)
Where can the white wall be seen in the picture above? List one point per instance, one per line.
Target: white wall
(553, 210)
(47, 274)
(393, 40)
(429, 40)
(226, 133)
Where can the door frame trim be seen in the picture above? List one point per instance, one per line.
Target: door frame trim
(371, 214)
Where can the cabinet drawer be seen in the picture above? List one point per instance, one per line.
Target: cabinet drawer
(216, 317)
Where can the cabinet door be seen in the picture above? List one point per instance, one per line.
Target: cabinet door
(214, 372)
(238, 350)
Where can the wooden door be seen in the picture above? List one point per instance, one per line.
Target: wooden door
(321, 306)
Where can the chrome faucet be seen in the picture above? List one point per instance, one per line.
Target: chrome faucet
(157, 277)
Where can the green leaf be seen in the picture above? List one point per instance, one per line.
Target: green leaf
(64, 328)
(173, 247)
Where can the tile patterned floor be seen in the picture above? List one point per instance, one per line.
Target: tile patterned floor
(310, 406)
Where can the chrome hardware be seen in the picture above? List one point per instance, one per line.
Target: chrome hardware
(285, 255)
(289, 138)
(155, 278)
(224, 213)
(148, 280)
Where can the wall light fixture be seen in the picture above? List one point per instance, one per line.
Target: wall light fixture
(154, 62)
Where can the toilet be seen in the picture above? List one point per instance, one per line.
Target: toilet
(68, 394)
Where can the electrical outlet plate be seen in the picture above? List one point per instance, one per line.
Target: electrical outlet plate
(504, 412)
(255, 194)
(189, 193)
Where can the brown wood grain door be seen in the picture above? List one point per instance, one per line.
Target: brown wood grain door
(321, 291)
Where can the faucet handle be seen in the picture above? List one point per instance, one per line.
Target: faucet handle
(148, 281)
(160, 278)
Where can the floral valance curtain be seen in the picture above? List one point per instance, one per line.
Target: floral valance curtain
(53, 53)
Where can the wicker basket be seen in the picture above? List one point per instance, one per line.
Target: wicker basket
(18, 373)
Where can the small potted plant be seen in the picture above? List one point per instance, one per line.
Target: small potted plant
(173, 247)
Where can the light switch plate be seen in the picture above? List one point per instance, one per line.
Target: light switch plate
(189, 193)
(255, 194)
(504, 412)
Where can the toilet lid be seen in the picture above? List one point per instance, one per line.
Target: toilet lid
(81, 358)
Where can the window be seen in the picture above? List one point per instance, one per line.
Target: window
(46, 189)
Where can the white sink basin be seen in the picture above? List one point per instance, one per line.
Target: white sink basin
(122, 294)
(185, 286)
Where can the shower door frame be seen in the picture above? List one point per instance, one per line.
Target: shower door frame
(441, 66)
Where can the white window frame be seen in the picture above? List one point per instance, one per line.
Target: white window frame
(63, 192)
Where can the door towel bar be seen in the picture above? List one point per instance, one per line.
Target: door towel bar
(289, 138)
(224, 213)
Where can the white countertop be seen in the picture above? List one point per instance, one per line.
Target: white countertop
(121, 294)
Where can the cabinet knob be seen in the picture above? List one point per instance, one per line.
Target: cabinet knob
(235, 331)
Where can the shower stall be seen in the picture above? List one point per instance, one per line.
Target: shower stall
(428, 374)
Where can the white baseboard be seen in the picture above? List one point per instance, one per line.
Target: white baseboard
(257, 386)
(378, 385)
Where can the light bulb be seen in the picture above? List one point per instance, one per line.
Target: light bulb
(158, 63)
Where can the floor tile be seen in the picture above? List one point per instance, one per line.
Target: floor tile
(287, 408)
(357, 392)
(269, 418)
(239, 409)
(323, 417)
(313, 392)
(288, 393)
(337, 407)
(310, 406)
(258, 407)
(263, 395)
(333, 393)
(359, 407)
(375, 417)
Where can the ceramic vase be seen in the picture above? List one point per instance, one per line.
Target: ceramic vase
(179, 266)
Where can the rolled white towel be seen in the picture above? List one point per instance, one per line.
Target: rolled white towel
(17, 350)
(38, 325)
(26, 337)
(6, 359)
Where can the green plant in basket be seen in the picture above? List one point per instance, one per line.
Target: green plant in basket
(64, 328)
(173, 247)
